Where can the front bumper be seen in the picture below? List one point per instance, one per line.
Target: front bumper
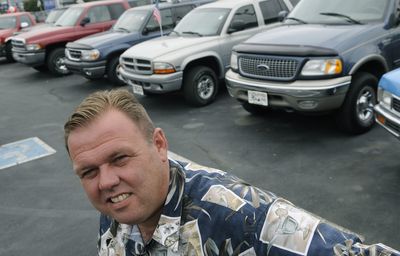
(95, 69)
(154, 83)
(30, 58)
(388, 120)
(303, 96)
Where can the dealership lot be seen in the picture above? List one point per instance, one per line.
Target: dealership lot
(353, 181)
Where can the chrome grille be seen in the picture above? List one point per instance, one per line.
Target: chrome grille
(268, 67)
(140, 66)
(396, 104)
(74, 54)
(18, 44)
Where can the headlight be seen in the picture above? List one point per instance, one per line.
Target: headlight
(320, 67)
(387, 98)
(163, 68)
(33, 47)
(234, 61)
(90, 55)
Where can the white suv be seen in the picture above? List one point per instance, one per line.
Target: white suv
(196, 55)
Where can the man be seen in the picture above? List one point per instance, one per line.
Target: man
(152, 205)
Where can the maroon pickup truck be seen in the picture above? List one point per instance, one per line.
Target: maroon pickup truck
(9, 24)
(43, 49)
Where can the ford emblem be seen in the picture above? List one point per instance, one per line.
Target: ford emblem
(263, 67)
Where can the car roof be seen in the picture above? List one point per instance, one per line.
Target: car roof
(228, 3)
(14, 14)
(94, 3)
(168, 4)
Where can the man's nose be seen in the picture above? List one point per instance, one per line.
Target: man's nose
(108, 178)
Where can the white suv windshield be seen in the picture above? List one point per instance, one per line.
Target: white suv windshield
(131, 20)
(338, 11)
(203, 22)
(8, 22)
(69, 17)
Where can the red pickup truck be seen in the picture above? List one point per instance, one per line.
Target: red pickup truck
(43, 49)
(9, 24)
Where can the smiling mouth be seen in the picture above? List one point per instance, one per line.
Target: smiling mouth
(119, 198)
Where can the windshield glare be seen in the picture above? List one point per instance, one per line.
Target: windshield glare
(204, 21)
(53, 16)
(8, 22)
(69, 17)
(361, 10)
(131, 20)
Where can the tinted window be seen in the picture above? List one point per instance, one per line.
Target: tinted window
(116, 10)
(270, 10)
(26, 19)
(181, 11)
(166, 20)
(247, 15)
(98, 14)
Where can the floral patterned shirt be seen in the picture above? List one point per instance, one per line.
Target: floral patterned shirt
(210, 212)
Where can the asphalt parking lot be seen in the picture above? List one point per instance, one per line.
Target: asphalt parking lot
(353, 181)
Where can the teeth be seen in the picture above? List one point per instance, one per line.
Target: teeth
(119, 198)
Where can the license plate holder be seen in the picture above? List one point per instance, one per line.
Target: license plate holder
(257, 98)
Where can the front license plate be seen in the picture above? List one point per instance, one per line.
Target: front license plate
(259, 98)
(137, 89)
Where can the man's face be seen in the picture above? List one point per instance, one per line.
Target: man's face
(124, 175)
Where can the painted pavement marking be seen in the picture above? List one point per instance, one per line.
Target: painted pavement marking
(23, 151)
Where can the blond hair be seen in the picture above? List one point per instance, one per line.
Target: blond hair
(100, 102)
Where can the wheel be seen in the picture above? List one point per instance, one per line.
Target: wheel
(113, 73)
(9, 56)
(41, 68)
(254, 109)
(356, 115)
(56, 62)
(200, 86)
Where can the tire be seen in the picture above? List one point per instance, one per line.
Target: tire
(200, 86)
(9, 56)
(253, 109)
(356, 116)
(112, 72)
(55, 62)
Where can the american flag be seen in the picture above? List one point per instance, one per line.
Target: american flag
(156, 13)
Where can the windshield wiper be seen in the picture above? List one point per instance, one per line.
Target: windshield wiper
(192, 33)
(123, 30)
(348, 18)
(296, 19)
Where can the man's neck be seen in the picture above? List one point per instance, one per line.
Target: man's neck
(147, 228)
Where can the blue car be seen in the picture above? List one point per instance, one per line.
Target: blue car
(387, 111)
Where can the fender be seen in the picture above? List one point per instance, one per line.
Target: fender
(205, 54)
(368, 58)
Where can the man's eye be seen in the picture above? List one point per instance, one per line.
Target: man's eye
(88, 174)
(120, 160)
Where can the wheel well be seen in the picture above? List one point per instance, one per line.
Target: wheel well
(49, 48)
(211, 62)
(112, 55)
(375, 68)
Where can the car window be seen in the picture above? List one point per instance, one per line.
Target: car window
(116, 10)
(70, 17)
(166, 20)
(25, 18)
(247, 15)
(131, 20)
(270, 10)
(203, 21)
(8, 22)
(98, 14)
(181, 11)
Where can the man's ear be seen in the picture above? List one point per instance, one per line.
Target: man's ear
(161, 143)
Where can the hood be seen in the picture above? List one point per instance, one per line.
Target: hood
(108, 38)
(163, 45)
(328, 36)
(43, 32)
(4, 33)
(391, 82)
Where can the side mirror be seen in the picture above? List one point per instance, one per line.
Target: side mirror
(282, 15)
(24, 24)
(145, 31)
(236, 25)
(85, 21)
